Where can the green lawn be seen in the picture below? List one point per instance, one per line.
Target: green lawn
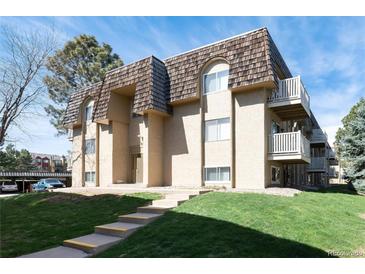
(36, 221)
(253, 225)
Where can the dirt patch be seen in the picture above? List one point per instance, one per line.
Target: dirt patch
(62, 198)
(362, 215)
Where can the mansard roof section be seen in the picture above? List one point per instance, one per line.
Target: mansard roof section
(253, 59)
(149, 76)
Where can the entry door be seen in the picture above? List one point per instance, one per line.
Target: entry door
(137, 168)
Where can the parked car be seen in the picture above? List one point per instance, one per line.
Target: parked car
(47, 184)
(8, 186)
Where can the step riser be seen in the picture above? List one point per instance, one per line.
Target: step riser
(180, 196)
(91, 251)
(152, 210)
(170, 203)
(137, 220)
(115, 232)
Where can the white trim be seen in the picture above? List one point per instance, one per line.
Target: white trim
(215, 91)
(218, 175)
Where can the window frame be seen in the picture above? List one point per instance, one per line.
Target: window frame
(94, 146)
(92, 175)
(218, 175)
(218, 127)
(216, 77)
(88, 106)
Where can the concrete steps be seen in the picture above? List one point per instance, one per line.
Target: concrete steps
(170, 203)
(58, 252)
(118, 229)
(153, 209)
(111, 234)
(139, 218)
(180, 196)
(92, 243)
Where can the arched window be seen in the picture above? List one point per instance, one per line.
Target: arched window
(88, 110)
(215, 77)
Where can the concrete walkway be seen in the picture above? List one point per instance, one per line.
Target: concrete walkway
(111, 234)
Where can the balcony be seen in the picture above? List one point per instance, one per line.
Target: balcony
(318, 136)
(289, 147)
(318, 164)
(291, 100)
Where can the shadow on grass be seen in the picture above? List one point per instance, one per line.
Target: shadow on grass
(37, 221)
(192, 236)
(335, 188)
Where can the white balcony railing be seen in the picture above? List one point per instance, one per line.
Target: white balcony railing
(317, 163)
(318, 135)
(289, 143)
(291, 89)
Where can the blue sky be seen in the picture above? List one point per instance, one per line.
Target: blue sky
(328, 52)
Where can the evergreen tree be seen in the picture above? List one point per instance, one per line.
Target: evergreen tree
(352, 146)
(81, 62)
(14, 160)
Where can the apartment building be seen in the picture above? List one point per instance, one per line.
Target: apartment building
(226, 114)
(49, 162)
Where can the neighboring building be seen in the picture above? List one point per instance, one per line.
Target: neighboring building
(49, 162)
(228, 114)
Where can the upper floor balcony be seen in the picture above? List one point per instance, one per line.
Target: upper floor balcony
(318, 136)
(291, 100)
(318, 164)
(290, 147)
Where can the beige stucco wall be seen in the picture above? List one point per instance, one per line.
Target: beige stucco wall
(119, 108)
(136, 130)
(90, 159)
(106, 155)
(153, 147)
(217, 153)
(120, 153)
(77, 158)
(250, 139)
(182, 149)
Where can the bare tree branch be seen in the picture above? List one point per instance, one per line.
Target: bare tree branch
(22, 69)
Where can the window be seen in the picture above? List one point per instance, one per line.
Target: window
(90, 177)
(57, 162)
(217, 174)
(275, 175)
(217, 130)
(216, 81)
(89, 146)
(89, 111)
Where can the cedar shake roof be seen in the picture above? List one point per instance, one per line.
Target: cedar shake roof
(253, 58)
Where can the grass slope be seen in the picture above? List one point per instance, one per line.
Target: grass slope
(253, 225)
(36, 221)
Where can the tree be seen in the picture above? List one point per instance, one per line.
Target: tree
(14, 160)
(21, 67)
(351, 143)
(81, 62)
(341, 132)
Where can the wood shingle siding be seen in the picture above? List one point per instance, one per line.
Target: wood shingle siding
(253, 58)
